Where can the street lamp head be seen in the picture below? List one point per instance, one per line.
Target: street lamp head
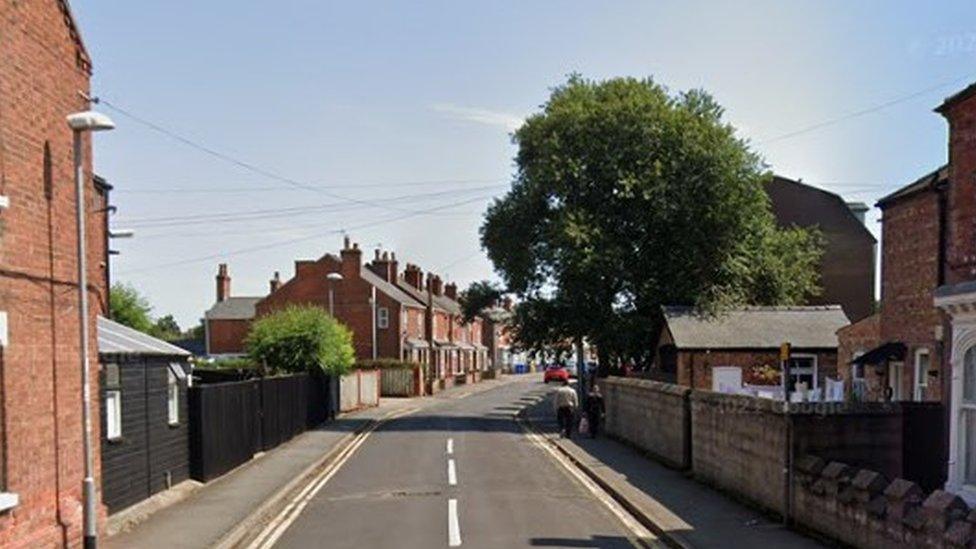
(335, 277)
(90, 121)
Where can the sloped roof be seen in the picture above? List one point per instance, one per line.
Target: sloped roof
(114, 338)
(447, 304)
(69, 21)
(955, 98)
(233, 308)
(419, 295)
(387, 288)
(927, 181)
(756, 327)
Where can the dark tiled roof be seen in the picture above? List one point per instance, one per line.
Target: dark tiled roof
(955, 98)
(116, 339)
(756, 327)
(447, 304)
(233, 308)
(387, 288)
(927, 181)
(419, 295)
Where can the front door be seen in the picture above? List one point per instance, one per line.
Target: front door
(896, 376)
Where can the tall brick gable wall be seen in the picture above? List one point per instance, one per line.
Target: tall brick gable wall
(909, 275)
(42, 71)
(961, 116)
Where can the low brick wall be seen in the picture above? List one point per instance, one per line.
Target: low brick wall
(862, 508)
(652, 416)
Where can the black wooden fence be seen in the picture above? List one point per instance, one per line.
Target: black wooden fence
(230, 422)
(924, 444)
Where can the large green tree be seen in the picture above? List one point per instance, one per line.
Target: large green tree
(628, 197)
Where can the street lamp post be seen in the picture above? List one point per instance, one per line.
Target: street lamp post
(80, 123)
(332, 278)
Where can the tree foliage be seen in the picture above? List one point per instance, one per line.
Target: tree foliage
(301, 338)
(628, 197)
(130, 308)
(478, 297)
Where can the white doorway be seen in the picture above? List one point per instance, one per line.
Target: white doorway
(896, 375)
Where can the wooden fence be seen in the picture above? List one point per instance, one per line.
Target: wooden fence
(402, 382)
(230, 422)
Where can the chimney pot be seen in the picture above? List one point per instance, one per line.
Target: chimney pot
(223, 282)
(275, 282)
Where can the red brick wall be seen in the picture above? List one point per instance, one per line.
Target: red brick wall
(41, 72)
(695, 367)
(909, 275)
(310, 286)
(962, 191)
(227, 336)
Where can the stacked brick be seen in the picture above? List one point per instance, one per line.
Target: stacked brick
(862, 508)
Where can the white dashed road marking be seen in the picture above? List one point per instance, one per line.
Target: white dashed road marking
(453, 527)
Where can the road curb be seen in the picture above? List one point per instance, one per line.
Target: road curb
(273, 503)
(670, 538)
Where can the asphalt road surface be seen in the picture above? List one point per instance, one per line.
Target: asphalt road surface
(459, 473)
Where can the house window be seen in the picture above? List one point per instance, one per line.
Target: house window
(803, 368)
(922, 362)
(172, 396)
(113, 414)
(967, 418)
(382, 318)
(857, 370)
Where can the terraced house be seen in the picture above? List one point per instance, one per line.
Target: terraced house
(391, 314)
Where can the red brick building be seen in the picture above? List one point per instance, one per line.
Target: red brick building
(44, 68)
(413, 319)
(896, 353)
(745, 342)
(227, 323)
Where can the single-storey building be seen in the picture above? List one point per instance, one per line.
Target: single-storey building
(145, 432)
(745, 344)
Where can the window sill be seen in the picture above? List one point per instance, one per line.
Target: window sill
(116, 440)
(8, 501)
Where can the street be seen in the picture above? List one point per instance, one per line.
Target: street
(459, 472)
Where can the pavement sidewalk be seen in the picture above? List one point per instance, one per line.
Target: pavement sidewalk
(685, 512)
(213, 510)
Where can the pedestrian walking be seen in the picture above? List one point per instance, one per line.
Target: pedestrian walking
(595, 409)
(565, 402)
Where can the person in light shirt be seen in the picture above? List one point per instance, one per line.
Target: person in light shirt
(565, 402)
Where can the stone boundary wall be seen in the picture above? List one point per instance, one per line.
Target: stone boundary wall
(652, 416)
(862, 508)
(738, 444)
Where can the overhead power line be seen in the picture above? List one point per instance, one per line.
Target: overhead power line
(862, 112)
(279, 243)
(345, 185)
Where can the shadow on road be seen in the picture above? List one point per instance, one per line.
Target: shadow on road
(593, 541)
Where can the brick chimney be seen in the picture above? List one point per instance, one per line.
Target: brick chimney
(414, 276)
(507, 303)
(275, 282)
(383, 266)
(435, 284)
(223, 282)
(394, 268)
(352, 260)
(450, 290)
(960, 111)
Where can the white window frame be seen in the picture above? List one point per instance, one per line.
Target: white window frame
(962, 408)
(921, 375)
(382, 318)
(113, 414)
(172, 397)
(814, 370)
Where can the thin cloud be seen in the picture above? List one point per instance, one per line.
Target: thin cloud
(498, 119)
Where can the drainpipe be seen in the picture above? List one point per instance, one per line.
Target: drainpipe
(372, 302)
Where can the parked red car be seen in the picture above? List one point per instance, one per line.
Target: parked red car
(555, 373)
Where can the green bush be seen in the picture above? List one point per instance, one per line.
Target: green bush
(233, 364)
(385, 364)
(301, 338)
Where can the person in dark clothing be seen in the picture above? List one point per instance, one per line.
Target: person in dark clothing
(595, 408)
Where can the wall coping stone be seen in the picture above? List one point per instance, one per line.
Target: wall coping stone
(659, 386)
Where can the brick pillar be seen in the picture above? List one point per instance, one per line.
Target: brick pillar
(223, 282)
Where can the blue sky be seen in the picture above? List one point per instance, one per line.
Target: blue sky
(393, 109)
